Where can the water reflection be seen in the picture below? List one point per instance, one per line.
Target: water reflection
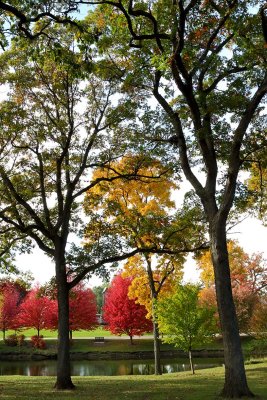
(102, 368)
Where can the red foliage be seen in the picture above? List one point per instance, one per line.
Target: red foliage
(38, 342)
(122, 314)
(83, 309)
(35, 311)
(8, 307)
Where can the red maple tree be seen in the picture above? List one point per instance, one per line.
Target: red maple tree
(9, 299)
(121, 314)
(35, 311)
(82, 310)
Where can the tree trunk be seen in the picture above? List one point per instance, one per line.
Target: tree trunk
(235, 377)
(63, 381)
(131, 339)
(191, 361)
(154, 296)
(158, 370)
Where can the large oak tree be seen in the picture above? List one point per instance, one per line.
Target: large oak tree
(56, 127)
(205, 64)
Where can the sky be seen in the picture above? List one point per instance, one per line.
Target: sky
(250, 233)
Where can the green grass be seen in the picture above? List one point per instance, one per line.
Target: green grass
(118, 345)
(88, 345)
(84, 342)
(178, 386)
(53, 334)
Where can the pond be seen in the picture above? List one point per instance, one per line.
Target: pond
(104, 368)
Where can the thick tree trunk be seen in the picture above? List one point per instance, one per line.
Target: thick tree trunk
(63, 381)
(235, 377)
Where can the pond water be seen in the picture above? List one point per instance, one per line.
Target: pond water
(103, 367)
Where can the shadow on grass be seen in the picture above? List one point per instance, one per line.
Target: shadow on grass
(205, 385)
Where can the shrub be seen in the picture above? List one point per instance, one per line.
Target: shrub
(38, 342)
(21, 340)
(11, 340)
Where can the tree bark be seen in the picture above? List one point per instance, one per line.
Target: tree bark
(158, 370)
(154, 296)
(63, 381)
(235, 384)
(191, 361)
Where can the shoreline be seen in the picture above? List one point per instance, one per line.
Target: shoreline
(112, 355)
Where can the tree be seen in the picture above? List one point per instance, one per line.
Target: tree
(184, 321)
(150, 283)
(141, 213)
(99, 294)
(35, 311)
(82, 309)
(82, 306)
(248, 279)
(257, 186)
(32, 20)
(8, 307)
(121, 314)
(204, 63)
(57, 127)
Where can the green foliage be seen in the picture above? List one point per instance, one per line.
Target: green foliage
(183, 321)
(99, 293)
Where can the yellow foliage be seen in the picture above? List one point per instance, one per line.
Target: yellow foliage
(140, 287)
(133, 193)
(237, 258)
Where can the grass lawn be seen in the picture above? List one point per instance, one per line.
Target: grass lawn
(84, 342)
(86, 345)
(53, 334)
(205, 385)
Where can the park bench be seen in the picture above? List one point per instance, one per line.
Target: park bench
(99, 339)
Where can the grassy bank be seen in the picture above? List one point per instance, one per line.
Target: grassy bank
(205, 385)
(86, 345)
(84, 342)
(47, 334)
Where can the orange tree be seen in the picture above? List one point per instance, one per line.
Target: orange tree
(151, 282)
(141, 213)
(204, 62)
(248, 279)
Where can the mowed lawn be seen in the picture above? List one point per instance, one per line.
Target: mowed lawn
(53, 334)
(205, 385)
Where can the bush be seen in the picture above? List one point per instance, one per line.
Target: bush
(38, 342)
(11, 340)
(258, 346)
(21, 340)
